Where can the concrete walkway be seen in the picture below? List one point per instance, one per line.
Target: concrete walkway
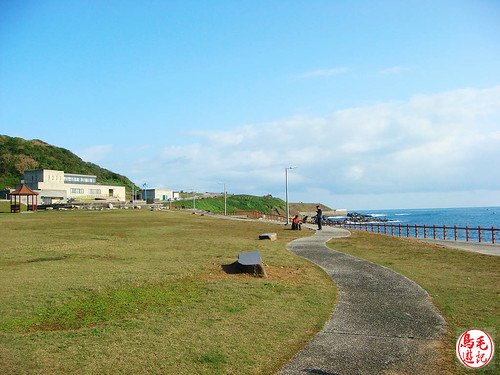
(382, 323)
(476, 247)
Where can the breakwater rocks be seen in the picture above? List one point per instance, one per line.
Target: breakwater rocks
(355, 217)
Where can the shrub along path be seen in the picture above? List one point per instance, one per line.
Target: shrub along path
(383, 322)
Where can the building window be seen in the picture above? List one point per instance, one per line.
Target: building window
(77, 191)
(95, 191)
(80, 179)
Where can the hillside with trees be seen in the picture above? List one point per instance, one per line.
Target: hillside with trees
(241, 202)
(18, 155)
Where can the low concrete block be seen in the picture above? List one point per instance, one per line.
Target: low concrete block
(268, 236)
(251, 262)
(249, 259)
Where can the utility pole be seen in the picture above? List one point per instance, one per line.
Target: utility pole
(286, 194)
(225, 198)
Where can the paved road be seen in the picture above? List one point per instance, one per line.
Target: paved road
(382, 321)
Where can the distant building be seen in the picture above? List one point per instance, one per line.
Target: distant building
(157, 195)
(58, 186)
(4, 194)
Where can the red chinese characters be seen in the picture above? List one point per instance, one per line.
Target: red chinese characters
(475, 348)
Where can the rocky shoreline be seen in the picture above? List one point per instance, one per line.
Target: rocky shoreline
(356, 217)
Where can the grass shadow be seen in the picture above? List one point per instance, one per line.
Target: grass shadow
(237, 268)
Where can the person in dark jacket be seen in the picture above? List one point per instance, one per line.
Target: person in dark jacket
(319, 217)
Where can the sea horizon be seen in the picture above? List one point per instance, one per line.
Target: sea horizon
(418, 208)
(486, 217)
(461, 217)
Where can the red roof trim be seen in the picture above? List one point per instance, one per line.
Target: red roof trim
(23, 190)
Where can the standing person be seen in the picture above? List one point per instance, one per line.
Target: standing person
(319, 216)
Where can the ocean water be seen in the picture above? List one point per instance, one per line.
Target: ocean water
(486, 217)
(473, 217)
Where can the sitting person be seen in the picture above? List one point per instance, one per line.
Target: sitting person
(296, 223)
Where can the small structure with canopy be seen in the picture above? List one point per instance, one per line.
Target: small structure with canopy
(23, 190)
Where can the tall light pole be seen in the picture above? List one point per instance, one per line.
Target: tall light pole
(286, 193)
(193, 191)
(145, 186)
(225, 198)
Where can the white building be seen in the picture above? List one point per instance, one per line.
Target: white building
(159, 195)
(57, 186)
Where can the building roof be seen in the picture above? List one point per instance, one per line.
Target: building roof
(23, 190)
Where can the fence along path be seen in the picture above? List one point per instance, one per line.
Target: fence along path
(447, 233)
(474, 234)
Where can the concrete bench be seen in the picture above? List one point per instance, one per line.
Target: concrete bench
(251, 262)
(268, 236)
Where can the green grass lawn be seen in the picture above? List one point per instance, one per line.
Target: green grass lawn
(5, 206)
(143, 292)
(464, 286)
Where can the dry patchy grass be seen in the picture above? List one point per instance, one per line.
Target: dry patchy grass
(144, 292)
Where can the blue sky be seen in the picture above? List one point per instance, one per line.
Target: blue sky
(379, 104)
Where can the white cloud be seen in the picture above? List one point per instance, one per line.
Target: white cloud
(442, 143)
(369, 201)
(95, 153)
(354, 173)
(324, 72)
(223, 138)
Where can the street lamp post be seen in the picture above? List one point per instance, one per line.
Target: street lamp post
(286, 194)
(193, 191)
(225, 198)
(145, 198)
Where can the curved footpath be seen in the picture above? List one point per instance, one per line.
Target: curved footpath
(382, 323)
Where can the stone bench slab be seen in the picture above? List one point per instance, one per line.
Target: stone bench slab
(251, 262)
(268, 236)
(249, 259)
